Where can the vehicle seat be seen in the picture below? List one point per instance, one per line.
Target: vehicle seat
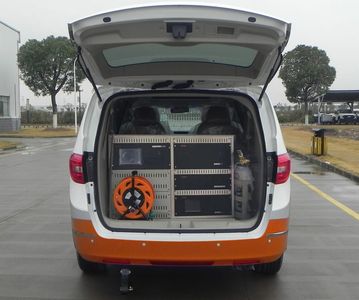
(146, 120)
(217, 120)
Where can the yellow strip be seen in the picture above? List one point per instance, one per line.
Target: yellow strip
(330, 199)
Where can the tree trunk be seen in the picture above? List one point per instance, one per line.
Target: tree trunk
(54, 110)
(306, 117)
(54, 120)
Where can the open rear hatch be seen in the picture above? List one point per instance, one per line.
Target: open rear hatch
(216, 46)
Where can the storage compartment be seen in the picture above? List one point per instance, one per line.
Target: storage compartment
(190, 175)
(183, 162)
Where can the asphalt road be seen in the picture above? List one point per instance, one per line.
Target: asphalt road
(37, 258)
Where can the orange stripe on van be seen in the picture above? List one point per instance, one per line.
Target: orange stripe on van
(217, 253)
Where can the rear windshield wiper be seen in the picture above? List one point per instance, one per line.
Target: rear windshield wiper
(161, 84)
(183, 85)
(168, 83)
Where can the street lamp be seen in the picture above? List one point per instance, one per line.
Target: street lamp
(75, 100)
(320, 100)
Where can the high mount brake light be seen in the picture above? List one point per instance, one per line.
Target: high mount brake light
(283, 168)
(76, 168)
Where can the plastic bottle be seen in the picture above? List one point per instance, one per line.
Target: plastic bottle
(243, 187)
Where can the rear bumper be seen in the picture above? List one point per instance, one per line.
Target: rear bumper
(94, 248)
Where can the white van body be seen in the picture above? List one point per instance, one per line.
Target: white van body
(184, 63)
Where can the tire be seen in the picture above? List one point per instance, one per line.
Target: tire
(269, 268)
(89, 267)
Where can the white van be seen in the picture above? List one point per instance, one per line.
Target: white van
(180, 160)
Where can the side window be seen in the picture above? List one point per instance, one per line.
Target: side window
(4, 106)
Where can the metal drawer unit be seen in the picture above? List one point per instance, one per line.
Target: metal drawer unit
(203, 176)
(192, 175)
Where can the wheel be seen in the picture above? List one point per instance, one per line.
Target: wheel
(269, 268)
(89, 267)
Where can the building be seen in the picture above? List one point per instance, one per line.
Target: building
(10, 114)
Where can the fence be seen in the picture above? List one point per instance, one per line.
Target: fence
(32, 117)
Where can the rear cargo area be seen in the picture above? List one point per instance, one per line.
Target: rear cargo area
(180, 161)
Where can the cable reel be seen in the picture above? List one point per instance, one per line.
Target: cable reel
(133, 197)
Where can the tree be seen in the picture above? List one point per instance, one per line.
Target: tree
(47, 67)
(306, 75)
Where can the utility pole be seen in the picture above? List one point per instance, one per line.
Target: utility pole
(28, 111)
(79, 90)
(75, 102)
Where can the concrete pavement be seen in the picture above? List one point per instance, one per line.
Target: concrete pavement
(37, 258)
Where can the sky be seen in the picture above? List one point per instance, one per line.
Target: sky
(330, 25)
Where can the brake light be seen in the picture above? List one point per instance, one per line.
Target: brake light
(76, 168)
(283, 168)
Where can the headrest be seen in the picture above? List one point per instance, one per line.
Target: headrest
(146, 114)
(217, 114)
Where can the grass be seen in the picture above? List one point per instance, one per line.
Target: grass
(8, 145)
(41, 132)
(343, 152)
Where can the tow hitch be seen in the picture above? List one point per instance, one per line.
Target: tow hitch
(125, 285)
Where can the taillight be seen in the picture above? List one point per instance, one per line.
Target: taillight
(283, 168)
(76, 168)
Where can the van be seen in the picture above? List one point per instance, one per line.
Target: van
(179, 159)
